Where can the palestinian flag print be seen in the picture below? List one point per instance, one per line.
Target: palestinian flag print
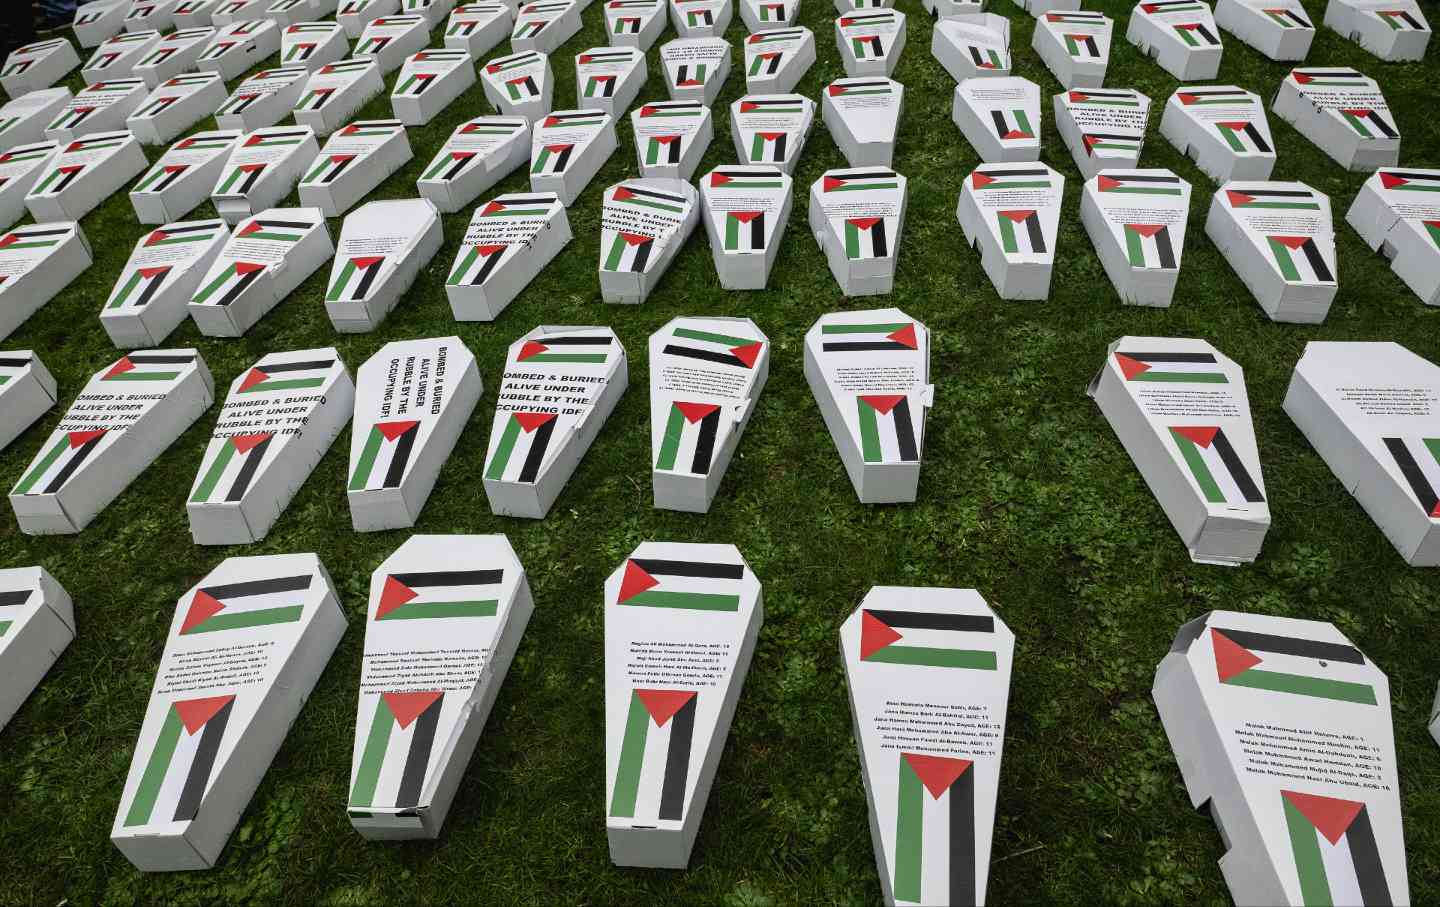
(1020, 232)
(1138, 184)
(688, 445)
(34, 237)
(1229, 96)
(241, 180)
(1288, 17)
(1291, 666)
(374, 44)
(582, 348)
(447, 167)
(772, 12)
(415, 84)
(769, 147)
(1336, 857)
(140, 287)
(1400, 20)
(147, 367)
(58, 180)
(1282, 199)
(896, 337)
(356, 279)
(1398, 180)
(716, 349)
(522, 88)
(789, 104)
(315, 98)
(935, 830)
(229, 283)
(269, 377)
(629, 253)
(477, 264)
(242, 606)
(1197, 34)
(685, 585)
(866, 238)
(177, 769)
(1120, 143)
(1418, 460)
(985, 57)
(1299, 259)
(1149, 246)
(1213, 463)
(648, 198)
(887, 429)
(398, 750)
(1010, 179)
(386, 455)
(929, 640)
(523, 447)
(1081, 46)
(552, 159)
(178, 235)
(161, 177)
(663, 149)
(653, 772)
(71, 117)
(439, 595)
(1329, 77)
(766, 64)
(744, 231)
(1243, 137)
(1092, 97)
(53, 468)
(1171, 367)
(858, 88)
(11, 600)
(741, 180)
(1369, 123)
(282, 231)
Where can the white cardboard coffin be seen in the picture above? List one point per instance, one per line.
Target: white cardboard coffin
(354, 15)
(999, 117)
(477, 155)
(177, 53)
(643, 224)
(971, 46)
(336, 91)
(1279, 239)
(701, 18)
(938, 9)
(27, 391)
(24, 120)
(560, 385)
(1392, 30)
(434, 11)
(930, 742)
(746, 209)
(1397, 214)
(458, 600)
(383, 247)
(156, 14)
(509, 241)
(567, 149)
(390, 39)
(478, 28)
(356, 159)
(544, 25)
(263, 100)
(1103, 128)
(771, 129)
(20, 168)
(412, 400)
(870, 374)
(858, 216)
(520, 85)
(182, 178)
(116, 57)
(149, 297)
(1075, 46)
(123, 419)
(1367, 409)
(1180, 35)
(776, 61)
(101, 107)
(1010, 213)
(671, 137)
(37, 65)
(706, 376)
(1282, 727)
(293, 12)
(1037, 8)
(1280, 30)
(229, 12)
(313, 44)
(634, 23)
(1180, 410)
(265, 259)
(1344, 113)
(262, 170)
(98, 20)
(37, 261)
(1222, 128)
(245, 648)
(1136, 221)
(83, 174)
(695, 68)
(175, 106)
(681, 622)
(870, 41)
(280, 417)
(194, 13)
(37, 623)
(238, 46)
(609, 78)
(429, 82)
(759, 15)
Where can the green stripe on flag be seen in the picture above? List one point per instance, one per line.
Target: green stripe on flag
(126, 290)
(45, 463)
(154, 777)
(143, 376)
(1318, 687)
(869, 432)
(427, 610)
(1314, 887)
(690, 601)
(5, 626)
(1281, 253)
(373, 757)
(931, 657)
(367, 460)
(1134, 249)
(909, 833)
(338, 286)
(212, 476)
(285, 385)
(863, 328)
(1007, 234)
(1196, 461)
(632, 755)
(670, 445)
(240, 620)
(708, 337)
(502, 452)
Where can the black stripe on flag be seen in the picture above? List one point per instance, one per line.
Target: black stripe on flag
(705, 443)
(412, 779)
(14, 599)
(659, 566)
(1206, 33)
(1369, 871)
(1260, 144)
(198, 778)
(151, 287)
(249, 180)
(283, 224)
(271, 368)
(1316, 260)
(677, 761)
(1003, 174)
(1276, 193)
(12, 362)
(962, 838)
(1237, 469)
(403, 446)
(335, 174)
(704, 355)
(1037, 235)
(206, 227)
(144, 359)
(72, 464)
(536, 455)
(596, 340)
(1166, 250)
(1168, 357)
(364, 286)
(1412, 175)
(1414, 475)
(26, 234)
(905, 431)
(1380, 124)
(449, 578)
(492, 261)
(240, 287)
(511, 201)
(1289, 645)
(260, 587)
(925, 620)
(248, 470)
(1001, 127)
(863, 346)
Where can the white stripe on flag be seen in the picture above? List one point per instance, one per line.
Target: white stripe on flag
(652, 770)
(935, 847)
(1340, 870)
(1221, 473)
(176, 775)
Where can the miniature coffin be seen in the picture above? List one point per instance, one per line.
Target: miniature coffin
(84, 174)
(294, 12)
(870, 41)
(120, 423)
(746, 210)
(176, 54)
(932, 768)
(771, 129)
(701, 18)
(477, 28)
(520, 85)
(262, 170)
(266, 258)
(1180, 410)
(434, 11)
(609, 78)
(280, 417)
(776, 61)
(24, 121)
(383, 247)
(1180, 35)
(1282, 727)
(759, 15)
(681, 622)
(164, 271)
(634, 23)
(1038, 8)
(175, 106)
(412, 400)
(857, 217)
(643, 224)
(1397, 214)
(509, 242)
(37, 623)
(567, 149)
(263, 100)
(1136, 221)
(999, 117)
(1103, 128)
(1349, 400)
(101, 107)
(706, 375)
(477, 155)
(194, 13)
(1392, 30)
(38, 65)
(559, 387)
(354, 15)
(1223, 129)
(389, 40)
(870, 374)
(313, 44)
(543, 26)
(336, 91)
(239, 46)
(671, 137)
(461, 600)
(1344, 113)
(143, 14)
(183, 176)
(27, 391)
(232, 11)
(1279, 239)
(972, 46)
(1075, 47)
(938, 9)
(20, 168)
(354, 162)
(98, 20)
(216, 719)
(1011, 214)
(428, 82)
(116, 57)
(1279, 29)
(37, 262)
(695, 68)
(863, 116)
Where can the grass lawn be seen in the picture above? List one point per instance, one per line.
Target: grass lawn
(1026, 495)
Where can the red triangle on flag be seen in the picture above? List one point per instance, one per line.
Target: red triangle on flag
(247, 443)
(247, 267)
(557, 149)
(251, 168)
(489, 250)
(531, 421)
(1131, 367)
(979, 180)
(550, 121)
(882, 403)
(81, 438)
(863, 223)
(1331, 816)
(174, 168)
(461, 155)
(406, 707)
(663, 704)
(121, 366)
(1291, 242)
(694, 412)
(1018, 217)
(1238, 199)
(1391, 181)
(252, 227)
(492, 207)
(1231, 658)
(530, 348)
(664, 140)
(1145, 229)
(195, 712)
(393, 595)
(341, 158)
(1106, 183)
(748, 106)
(367, 261)
(622, 194)
(392, 430)
(252, 378)
(148, 273)
(1017, 134)
(156, 237)
(937, 773)
(1200, 434)
(73, 168)
(203, 606)
(875, 634)
(905, 336)
(836, 89)
(1186, 97)
(745, 217)
(1077, 97)
(748, 353)
(846, 21)
(1356, 111)
(635, 581)
(718, 179)
(647, 111)
(831, 184)
(635, 239)
(771, 136)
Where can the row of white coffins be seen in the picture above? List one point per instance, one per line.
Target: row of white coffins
(1293, 749)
